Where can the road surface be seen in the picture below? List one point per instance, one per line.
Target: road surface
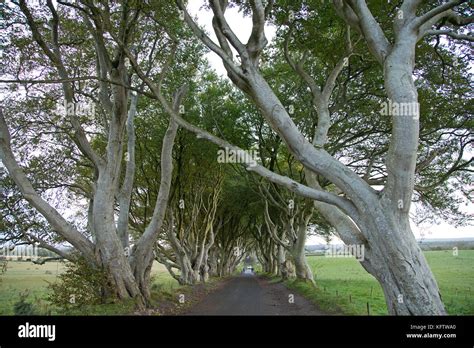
(248, 294)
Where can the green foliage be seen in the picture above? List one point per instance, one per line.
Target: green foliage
(79, 285)
(3, 269)
(22, 307)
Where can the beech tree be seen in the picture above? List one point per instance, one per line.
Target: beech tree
(109, 192)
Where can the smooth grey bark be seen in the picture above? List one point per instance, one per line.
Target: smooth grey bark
(281, 261)
(293, 225)
(302, 269)
(141, 258)
(125, 195)
(108, 246)
(213, 261)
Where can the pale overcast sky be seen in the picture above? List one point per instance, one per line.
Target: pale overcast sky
(242, 27)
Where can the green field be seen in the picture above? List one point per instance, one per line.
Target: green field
(23, 277)
(339, 278)
(27, 276)
(343, 286)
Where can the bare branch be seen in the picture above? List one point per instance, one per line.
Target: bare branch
(206, 40)
(82, 78)
(57, 222)
(439, 10)
(448, 32)
(371, 30)
(257, 40)
(42, 243)
(358, 16)
(125, 194)
(218, 8)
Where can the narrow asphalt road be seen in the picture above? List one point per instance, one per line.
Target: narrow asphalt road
(248, 294)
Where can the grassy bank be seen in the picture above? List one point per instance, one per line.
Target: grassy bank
(27, 277)
(344, 287)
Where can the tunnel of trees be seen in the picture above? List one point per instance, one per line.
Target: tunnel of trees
(112, 120)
